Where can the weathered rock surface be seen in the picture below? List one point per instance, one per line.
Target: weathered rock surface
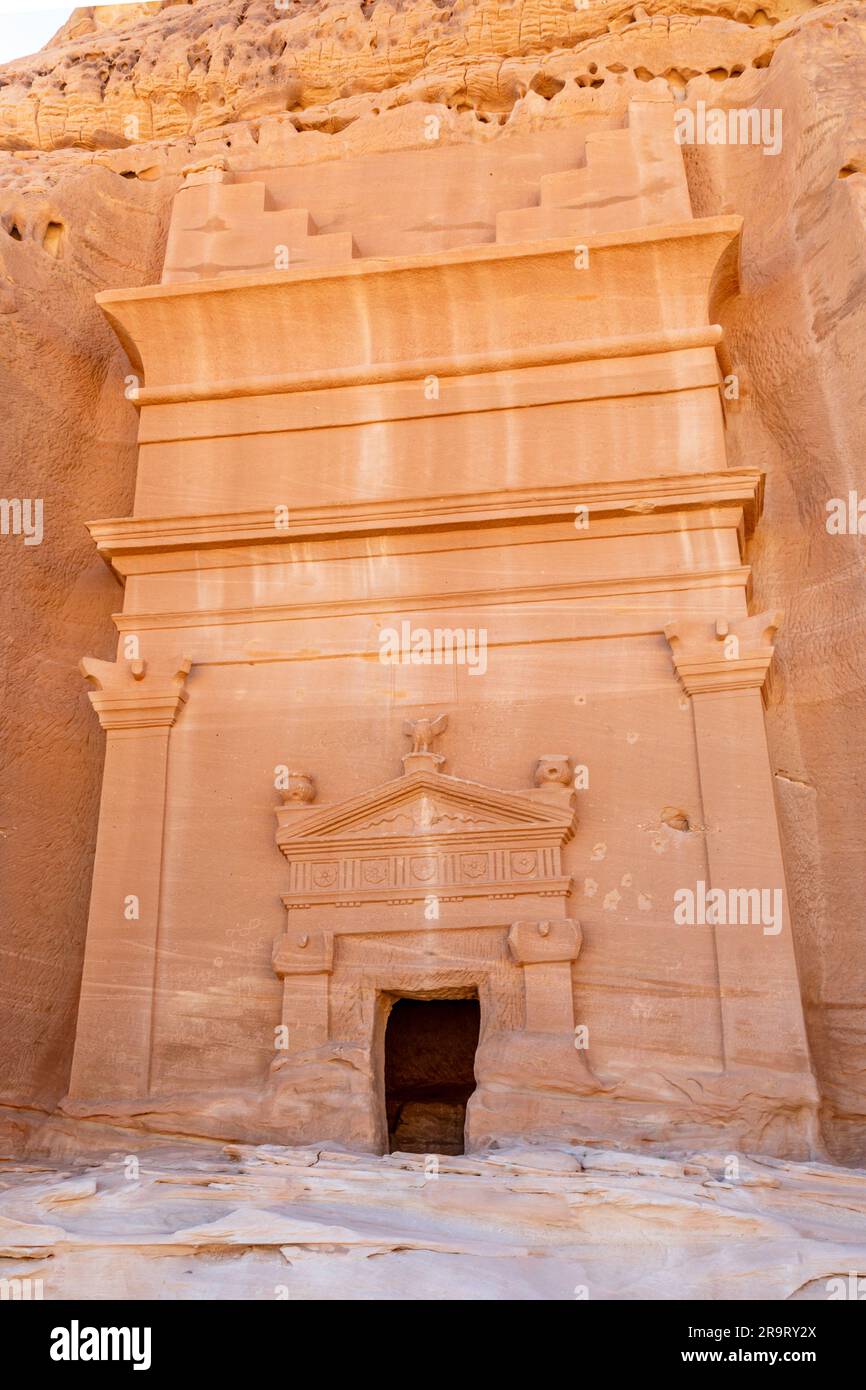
(311, 1223)
(191, 66)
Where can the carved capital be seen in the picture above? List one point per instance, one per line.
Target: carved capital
(137, 694)
(303, 953)
(534, 943)
(728, 654)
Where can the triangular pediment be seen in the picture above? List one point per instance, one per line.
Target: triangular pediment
(427, 805)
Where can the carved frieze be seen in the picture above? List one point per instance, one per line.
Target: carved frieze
(426, 834)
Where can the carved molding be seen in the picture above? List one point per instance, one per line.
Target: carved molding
(477, 363)
(728, 654)
(635, 498)
(670, 581)
(137, 694)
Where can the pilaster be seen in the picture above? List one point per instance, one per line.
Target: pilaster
(137, 703)
(723, 667)
(546, 951)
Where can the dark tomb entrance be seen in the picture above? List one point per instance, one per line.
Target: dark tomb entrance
(429, 1073)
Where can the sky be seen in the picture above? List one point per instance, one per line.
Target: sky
(27, 25)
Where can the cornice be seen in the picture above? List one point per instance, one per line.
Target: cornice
(317, 317)
(127, 536)
(690, 230)
(559, 886)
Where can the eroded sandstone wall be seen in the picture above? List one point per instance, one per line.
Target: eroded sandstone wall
(68, 439)
(96, 130)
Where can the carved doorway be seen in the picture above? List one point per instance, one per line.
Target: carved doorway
(430, 1049)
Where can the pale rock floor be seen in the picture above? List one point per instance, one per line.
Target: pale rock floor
(525, 1223)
